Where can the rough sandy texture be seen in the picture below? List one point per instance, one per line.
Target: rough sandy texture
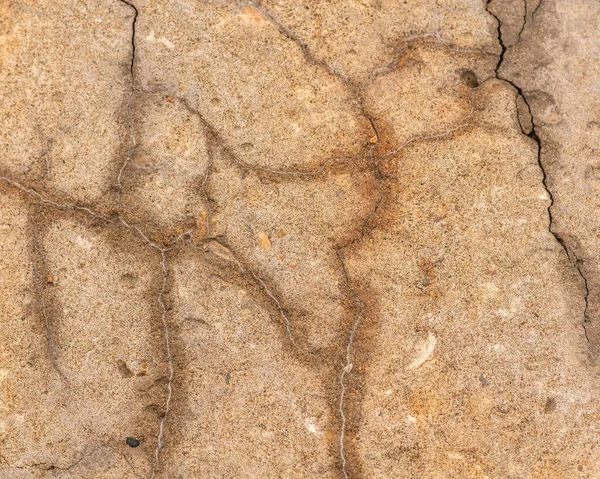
(297, 239)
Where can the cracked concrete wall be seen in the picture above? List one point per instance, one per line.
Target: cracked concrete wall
(299, 239)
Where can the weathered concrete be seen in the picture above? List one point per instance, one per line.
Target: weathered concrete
(299, 239)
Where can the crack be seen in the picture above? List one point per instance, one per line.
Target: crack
(571, 256)
(245, 166)
(301, 43)
(355, 90)
(131, 93)
(160, 438)
(115, 221)
(208, 200)
(465, 123)
(131, 466)
(536, 9)
(399, 50)
(218, 249)
(45, 200)
(348, 365)
(44, 466)
(38, 281)
(282, 312)
(524, 20)
(360, 306)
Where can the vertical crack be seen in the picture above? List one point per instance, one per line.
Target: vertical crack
(360, 305)
(348, 364)
(129, 102)
(572, 257)
(161, 432)
(38, 281)
(524, 20)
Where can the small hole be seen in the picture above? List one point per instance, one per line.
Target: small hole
(469, 78)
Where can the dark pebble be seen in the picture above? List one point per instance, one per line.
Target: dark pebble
(132, 442)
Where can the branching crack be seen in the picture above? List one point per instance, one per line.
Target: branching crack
(245, 166)
(162, 249)
(572, 257)
(218, 249)
(374, 162)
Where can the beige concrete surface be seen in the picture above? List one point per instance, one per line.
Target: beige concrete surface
(299, 239)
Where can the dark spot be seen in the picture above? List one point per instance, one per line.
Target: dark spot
(227, 378)
(262, 426)
(196, 320)
(129, 280)
(124, 371)
(132, 442)
(550, 406)
(425, 281)
(580, 468)
(484, 380)
(469, 78)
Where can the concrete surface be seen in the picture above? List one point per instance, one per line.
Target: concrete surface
(299, 239)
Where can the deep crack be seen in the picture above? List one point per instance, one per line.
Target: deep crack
(131, 93)
(572, 257)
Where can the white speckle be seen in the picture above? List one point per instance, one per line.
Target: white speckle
(411, 419)
(455, 455)
(424, 352)
(499, 348)
(310, 425)
(83, 242)
(166, 43)
(152, 39)
(388, 392)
